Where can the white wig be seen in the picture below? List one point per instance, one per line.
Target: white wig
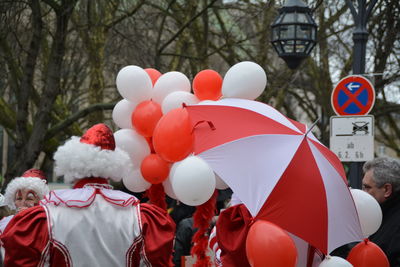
(2, 201)
(35, 184)
(76, 160)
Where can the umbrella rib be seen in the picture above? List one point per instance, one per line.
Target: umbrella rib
(312, 126)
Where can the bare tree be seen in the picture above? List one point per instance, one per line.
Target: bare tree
(60, 59)
(30, 135)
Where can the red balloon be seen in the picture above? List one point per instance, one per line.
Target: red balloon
(207, 85)
(367, 254)
(173, 139)
(268, 245)
(154, 169)
(154, 74)
(146, 116)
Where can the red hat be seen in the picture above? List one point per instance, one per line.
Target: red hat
(99, 135)
(35, 173)
(94, 155)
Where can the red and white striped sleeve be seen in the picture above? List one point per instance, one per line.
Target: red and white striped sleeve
(213, 244)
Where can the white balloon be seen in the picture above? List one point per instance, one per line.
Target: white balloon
(244, 80)
(193, 181)
(369, 211)
(122, 112)
(175, 100)
(219, 183)
(173, 168)
(134, 84)
(168, 188)
(132, 143)
(170, 82)
(135, 182)
(334, 261)
(167, 183)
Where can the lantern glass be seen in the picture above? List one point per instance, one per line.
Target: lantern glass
(302, 18)
(303, 32)
(287, 32)
(288, 46)
(313, 33)
(289, 18)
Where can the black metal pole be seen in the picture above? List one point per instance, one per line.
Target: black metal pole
(360, 38)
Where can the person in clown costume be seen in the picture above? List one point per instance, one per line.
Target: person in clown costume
(24, 192)
(91, 224)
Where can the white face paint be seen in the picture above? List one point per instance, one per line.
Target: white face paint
(26, 198)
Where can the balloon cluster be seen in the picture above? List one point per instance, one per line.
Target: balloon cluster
(156, 130)
(364, 254)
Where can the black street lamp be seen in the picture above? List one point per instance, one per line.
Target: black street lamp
(361, 14)
(294, 32)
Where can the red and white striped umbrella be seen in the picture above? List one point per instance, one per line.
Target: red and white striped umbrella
(281, 172)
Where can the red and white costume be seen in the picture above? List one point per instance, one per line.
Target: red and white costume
(4, 222)
(228, 240)
(92, 225)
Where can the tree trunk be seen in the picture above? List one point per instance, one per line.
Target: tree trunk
(27, 153)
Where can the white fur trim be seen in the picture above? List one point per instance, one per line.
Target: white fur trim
(2, 201)
(31, 183)
(76, 160)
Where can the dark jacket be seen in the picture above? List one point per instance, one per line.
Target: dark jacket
(183, 240)
(388, 235)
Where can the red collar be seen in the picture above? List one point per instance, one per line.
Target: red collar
(91, 180)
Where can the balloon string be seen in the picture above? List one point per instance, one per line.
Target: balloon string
(210, 124)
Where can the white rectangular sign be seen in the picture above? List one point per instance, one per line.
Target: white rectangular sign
(352, 137)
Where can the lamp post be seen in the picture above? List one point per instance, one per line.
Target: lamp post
(294, 32)
(360, 38)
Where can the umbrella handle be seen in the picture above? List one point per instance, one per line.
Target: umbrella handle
(212, 127)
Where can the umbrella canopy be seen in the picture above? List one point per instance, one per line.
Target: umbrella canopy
(279, 171)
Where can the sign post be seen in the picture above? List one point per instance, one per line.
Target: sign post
(352, 133)
(352, 137)
(353, 95)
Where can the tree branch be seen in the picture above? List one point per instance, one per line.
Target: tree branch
(184, 26)
(52, 4)
(11, 63)
(124, 16)
(76, 116)
(24, 91)
(7, 116)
